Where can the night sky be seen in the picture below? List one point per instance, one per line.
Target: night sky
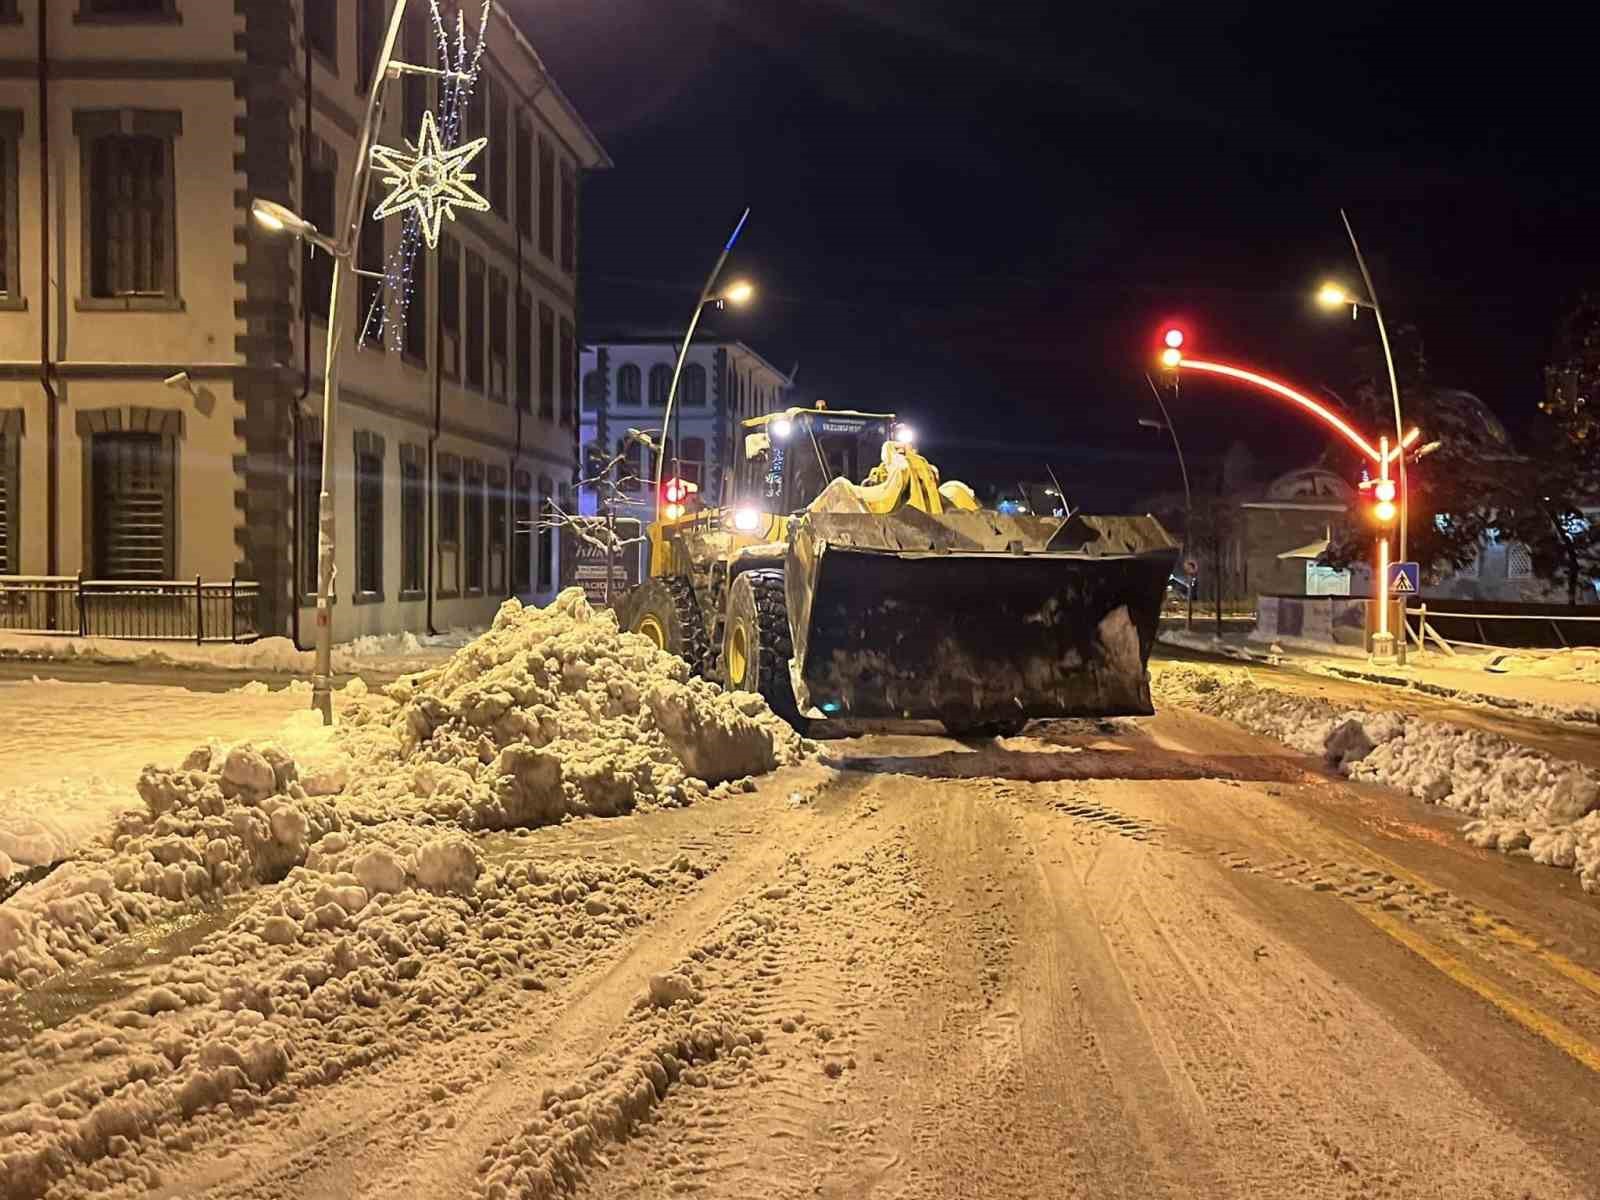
(981, 216)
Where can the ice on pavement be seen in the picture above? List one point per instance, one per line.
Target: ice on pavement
(1522, 801)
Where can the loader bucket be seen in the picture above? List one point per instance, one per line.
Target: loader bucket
(974, 617)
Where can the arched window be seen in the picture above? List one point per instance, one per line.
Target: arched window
(660, 381)
(628, 384)
(593, 385)
(694, 386)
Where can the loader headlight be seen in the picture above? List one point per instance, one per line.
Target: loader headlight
(905, 435)
(781, 428)
(747, 520)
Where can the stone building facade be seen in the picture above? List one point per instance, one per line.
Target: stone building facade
(160, 354)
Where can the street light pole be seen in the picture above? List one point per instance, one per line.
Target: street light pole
(706, 296)
(344, 244)
(1394, 385)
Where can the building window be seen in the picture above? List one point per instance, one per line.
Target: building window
(308, 489)
(473, 535)
(474, 321)
(1519, 562)
(10, 279)
(524, 168)
(413, 495)
(131, 257)
(322, 30)
(522, 534)
(569, 374)
(498, 150)
(569, 218)
(524, 352)
(317, 272)
(694, 386)
(126, 10)
(414, 38)
(10, 439)
(547, 200)
(497, 336)
(497, 530)
(660, 384)
(628, 385)
(415, 328)
(369, 40)
(450, 307)
(547, 362)
(547, 534)
(369, 516)
(132, 483)
(477, 118)
(449, 525)
(593, 388)
(370, 308)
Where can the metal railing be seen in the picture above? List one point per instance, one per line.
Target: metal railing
(167, 610)
(1559, 629)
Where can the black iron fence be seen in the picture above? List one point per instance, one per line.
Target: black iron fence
(171, 610)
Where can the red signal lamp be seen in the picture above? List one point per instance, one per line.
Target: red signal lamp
(1173, 338)
(1384, 490)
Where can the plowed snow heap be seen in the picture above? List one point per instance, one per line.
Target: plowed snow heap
(555, 711)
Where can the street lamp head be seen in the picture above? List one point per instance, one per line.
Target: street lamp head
(1334, 295)
(740, 292)
(279, 219)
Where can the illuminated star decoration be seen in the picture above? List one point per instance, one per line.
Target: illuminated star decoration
(430, 181)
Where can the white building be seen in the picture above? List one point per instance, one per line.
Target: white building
(127, 169)
(625, 384)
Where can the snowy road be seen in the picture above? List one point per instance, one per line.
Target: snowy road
(1157, 958)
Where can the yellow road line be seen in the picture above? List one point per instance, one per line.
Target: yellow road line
(1551, 1030)
(1499, 930)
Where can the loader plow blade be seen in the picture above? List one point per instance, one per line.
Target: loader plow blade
(975, 617)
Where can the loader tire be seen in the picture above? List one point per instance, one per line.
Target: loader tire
(986, 729)
(756, 644)
(665, 612)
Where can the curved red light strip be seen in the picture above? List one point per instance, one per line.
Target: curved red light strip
(1288, 393)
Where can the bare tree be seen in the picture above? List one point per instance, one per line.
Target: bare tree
(615, 483)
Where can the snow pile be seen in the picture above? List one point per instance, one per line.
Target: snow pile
(555, 712)
(327, 976)
(1523, 801)
(44, 825)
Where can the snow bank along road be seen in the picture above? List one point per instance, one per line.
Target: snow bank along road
(1144, 958)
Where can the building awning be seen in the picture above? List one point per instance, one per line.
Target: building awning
(1314, 549)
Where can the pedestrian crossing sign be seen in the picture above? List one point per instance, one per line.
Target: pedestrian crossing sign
(1404, 579)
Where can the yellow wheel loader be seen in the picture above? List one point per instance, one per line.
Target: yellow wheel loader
(840, 578)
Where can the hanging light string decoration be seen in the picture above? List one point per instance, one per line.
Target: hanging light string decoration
(428, 179)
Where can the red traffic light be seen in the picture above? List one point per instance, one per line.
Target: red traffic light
(1384, 490)
(1173, 338)
(674, 491)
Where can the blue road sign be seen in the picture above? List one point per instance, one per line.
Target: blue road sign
(1405, 579)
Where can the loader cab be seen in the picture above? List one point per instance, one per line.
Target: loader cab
(787, 458)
